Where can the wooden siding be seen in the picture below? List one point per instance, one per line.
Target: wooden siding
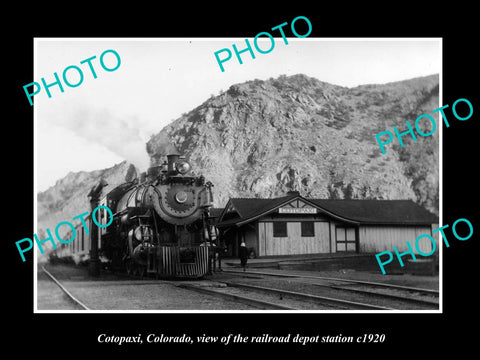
(333, 243)
(377, 238)
(294, 243)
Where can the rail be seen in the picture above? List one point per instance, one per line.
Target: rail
(69, 295)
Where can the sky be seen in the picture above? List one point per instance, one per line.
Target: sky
(109, 119)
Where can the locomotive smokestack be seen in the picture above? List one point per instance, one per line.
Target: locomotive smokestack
(172, 159)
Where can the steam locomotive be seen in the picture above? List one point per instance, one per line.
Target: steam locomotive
(160, 223)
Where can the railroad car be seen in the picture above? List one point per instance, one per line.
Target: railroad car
(160, 224)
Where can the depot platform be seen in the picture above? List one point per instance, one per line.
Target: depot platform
(335, 262)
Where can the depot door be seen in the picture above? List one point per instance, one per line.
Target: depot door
(346, 239)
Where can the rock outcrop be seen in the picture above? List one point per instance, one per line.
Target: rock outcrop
(264, 138)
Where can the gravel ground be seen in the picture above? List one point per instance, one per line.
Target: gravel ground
(114, 292)
(425, 282)
(111, 292)
(309, 288)
(274, 298)
(50, 296)
(134, 296)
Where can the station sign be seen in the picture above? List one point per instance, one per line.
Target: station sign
(292, 210)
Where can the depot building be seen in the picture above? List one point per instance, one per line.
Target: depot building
(292, 225)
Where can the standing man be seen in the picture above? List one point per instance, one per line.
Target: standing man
(243, 255)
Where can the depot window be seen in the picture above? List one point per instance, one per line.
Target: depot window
(280, 229)
(308, 228)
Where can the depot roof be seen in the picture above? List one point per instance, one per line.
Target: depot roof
(239, 211)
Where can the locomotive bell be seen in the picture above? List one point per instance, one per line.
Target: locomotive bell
(164, 167)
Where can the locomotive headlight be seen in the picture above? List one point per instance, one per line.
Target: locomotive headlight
(181, 197)
(182, 167)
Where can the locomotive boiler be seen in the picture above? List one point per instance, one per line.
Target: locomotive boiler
(160, 222)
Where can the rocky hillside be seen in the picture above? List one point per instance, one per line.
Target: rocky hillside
(68, 197)
(264, 138)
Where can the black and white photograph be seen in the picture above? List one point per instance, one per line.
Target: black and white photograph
(218, 183)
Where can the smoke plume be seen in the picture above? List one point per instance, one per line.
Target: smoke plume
(121, 136)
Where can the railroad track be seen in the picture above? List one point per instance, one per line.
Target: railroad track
(269, 291)
(268, 298)
(112, 292)
(388, 295)
(71, 298)
(241, 298)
